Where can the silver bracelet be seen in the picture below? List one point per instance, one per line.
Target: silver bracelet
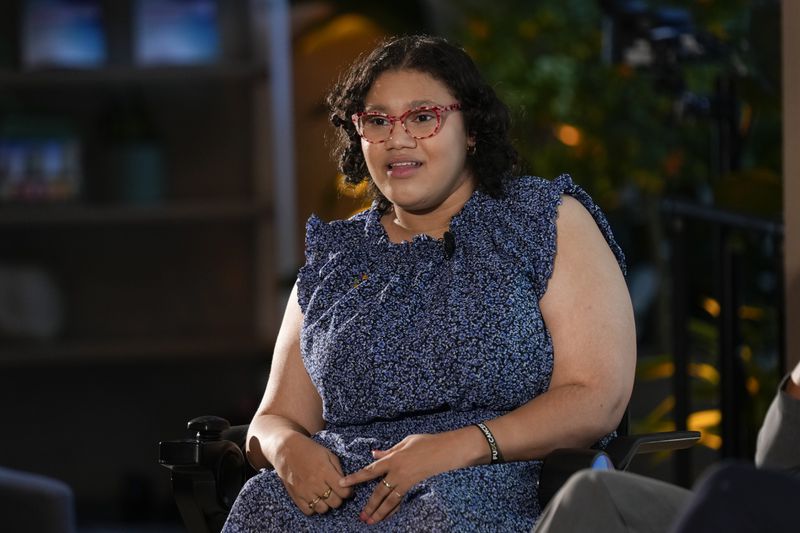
(497, 457)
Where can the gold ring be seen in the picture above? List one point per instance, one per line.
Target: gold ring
(386, 483)
(326, 493)
(313, 502)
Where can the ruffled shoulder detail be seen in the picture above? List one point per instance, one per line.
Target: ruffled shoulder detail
(554, 190)
(522, 224)
(324, 243)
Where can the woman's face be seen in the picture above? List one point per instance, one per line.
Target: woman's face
(418, 175)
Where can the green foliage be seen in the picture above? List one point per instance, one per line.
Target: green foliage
(545, 60)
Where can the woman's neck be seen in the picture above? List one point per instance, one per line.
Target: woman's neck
(433, 224)
(403, 225)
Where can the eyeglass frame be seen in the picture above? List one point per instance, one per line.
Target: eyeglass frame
(438, 109)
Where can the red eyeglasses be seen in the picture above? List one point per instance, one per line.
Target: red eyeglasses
(420, 122)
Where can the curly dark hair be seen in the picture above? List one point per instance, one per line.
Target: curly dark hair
(487, 118)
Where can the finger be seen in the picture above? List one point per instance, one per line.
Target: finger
(334, 501)
(321, 507)
(316, 504)
(369, 472)
(380, 493)
(330, 497)
(388, 506)
(375, 499)
(340, 492)
(334, 460)
(380, 454)
(302, 504)
(334, 482)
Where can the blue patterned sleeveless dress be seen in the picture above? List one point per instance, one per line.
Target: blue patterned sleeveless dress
(402, 339)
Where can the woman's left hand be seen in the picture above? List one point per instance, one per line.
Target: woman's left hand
(413, 459)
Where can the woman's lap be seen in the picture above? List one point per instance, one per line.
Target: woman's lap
(477, 498)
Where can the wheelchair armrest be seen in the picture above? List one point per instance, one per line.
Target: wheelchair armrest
(237, 435)
(559, 465)
(623, 449)
(208, 471)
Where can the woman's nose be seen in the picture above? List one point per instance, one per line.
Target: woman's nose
(399, 138)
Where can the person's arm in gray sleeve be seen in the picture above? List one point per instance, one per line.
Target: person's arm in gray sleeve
(778, 445)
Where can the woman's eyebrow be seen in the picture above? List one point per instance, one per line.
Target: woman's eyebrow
(421, 103)
(414, 104)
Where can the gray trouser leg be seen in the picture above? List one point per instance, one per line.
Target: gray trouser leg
(611, 501)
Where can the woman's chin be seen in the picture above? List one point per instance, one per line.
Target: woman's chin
(412, 204)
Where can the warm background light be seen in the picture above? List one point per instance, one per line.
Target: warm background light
(711, 306)
(569, 135)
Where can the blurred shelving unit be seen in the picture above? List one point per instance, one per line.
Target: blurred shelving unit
(169, 294)
(189, 272)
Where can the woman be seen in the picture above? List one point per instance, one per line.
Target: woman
(439, 343)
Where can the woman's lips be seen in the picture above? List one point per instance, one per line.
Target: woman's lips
(401, 169)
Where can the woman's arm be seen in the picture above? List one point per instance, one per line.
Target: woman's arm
(588, 312)
(291, 403)
(291, 411)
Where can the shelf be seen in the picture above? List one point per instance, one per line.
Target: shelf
(14, 79)
(118, 351)
(45, 215)
(138, 282)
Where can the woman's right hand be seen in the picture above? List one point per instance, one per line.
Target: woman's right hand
(311, 473)
(290, 411)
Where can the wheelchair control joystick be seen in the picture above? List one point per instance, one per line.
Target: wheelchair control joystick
(208, 428)
(208, 471)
